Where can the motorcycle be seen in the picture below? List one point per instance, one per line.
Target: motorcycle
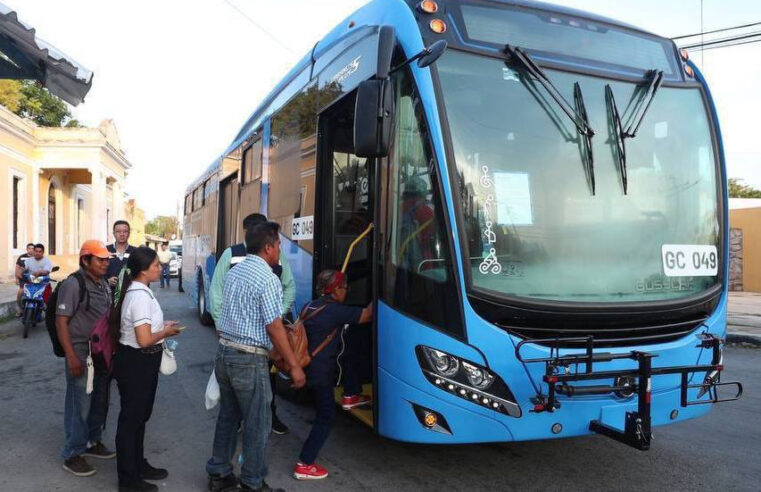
(33, 299)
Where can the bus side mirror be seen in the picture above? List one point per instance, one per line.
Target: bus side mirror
(373, 118)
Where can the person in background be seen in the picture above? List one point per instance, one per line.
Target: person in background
(84, 415)
(138, 319)
(323, 320)
(231, 257)
(120, 251)
(20, 266)
(165, 256)
(250, 324)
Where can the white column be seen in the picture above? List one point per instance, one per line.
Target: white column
(118, 200)
(36, 207)
(98, 205)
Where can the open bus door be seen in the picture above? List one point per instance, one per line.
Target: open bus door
(345, 207)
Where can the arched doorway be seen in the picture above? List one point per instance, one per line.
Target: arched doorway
(51, 246)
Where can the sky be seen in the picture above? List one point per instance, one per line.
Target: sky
(180, 77)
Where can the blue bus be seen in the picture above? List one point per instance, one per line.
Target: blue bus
(549, 199)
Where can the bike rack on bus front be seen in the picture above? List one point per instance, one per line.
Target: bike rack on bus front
(626, 382)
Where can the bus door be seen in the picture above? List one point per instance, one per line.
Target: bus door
(345, 208)
(228, 213)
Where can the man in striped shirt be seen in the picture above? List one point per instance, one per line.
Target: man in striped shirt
(250, 324)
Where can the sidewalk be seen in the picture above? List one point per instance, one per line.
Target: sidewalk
(743, 323)
(7, 299)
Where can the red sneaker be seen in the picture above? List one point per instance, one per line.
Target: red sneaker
(349, 402)
(309, 472)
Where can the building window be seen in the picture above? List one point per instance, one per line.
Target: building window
(16, 211)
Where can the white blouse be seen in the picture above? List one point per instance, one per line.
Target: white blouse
(140, 307)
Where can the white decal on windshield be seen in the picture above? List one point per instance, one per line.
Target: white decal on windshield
(490, 262)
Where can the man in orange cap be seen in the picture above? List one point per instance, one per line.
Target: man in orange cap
(81, 301)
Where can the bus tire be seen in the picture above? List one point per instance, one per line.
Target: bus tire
(203, 315)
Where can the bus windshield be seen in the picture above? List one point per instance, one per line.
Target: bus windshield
(534, 224)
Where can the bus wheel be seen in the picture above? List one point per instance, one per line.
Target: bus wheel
(203, 314)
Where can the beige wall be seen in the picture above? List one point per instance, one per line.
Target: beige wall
(80, 164)
(749, 220)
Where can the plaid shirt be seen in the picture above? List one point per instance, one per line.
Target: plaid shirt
(252, 299)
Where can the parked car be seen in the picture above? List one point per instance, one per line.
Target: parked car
(174, 265)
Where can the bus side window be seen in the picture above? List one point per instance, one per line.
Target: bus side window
(420, 279)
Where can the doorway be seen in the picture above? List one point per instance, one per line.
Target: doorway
(345, 208)
(51, 221)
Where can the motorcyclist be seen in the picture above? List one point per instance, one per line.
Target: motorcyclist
(38, 265)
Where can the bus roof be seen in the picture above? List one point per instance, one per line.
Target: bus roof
(363, 17)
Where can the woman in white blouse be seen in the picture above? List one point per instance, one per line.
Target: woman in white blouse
(140, 323)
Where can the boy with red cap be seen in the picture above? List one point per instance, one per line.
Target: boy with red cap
(82, 300)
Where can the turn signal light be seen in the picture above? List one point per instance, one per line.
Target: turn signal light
(685, 54)
(689, 71)
(428, 7)
(438, 26)
(430, 419)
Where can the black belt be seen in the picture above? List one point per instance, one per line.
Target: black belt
(153, 349)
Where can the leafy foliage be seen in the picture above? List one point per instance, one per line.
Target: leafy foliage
(739, 190)
(163, 226)
(29, 99)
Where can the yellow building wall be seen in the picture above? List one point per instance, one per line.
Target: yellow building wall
(749, 220)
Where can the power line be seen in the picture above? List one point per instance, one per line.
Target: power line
(258, 26)
(723, 40)
(728, 45)
(718, 30)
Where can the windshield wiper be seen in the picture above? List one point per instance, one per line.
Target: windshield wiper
(655, 78)
(517, 55)
(618, 133)
(585, 139)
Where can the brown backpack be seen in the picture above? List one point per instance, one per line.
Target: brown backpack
(297, 339)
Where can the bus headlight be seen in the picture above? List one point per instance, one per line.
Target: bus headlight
(478, 377)
(466, 380)
(443, 363)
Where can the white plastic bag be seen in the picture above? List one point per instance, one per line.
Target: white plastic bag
(168, 362)
(212, 392)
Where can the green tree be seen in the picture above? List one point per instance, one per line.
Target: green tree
(29, 99)
(164, 226)
(739, 190)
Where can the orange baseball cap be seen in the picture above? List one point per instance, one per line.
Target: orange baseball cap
(95, 248)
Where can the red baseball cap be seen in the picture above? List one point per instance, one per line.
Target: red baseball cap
(95, 248)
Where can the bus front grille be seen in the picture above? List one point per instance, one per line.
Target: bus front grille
(610, 336)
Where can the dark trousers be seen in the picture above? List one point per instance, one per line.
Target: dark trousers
(164, 274)
(137, 375)
(325, 414)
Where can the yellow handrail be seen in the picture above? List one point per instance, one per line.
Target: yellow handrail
(354, 243)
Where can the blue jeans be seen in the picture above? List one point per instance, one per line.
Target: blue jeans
(84, 416)
(325, 415)
(164, 274)
(245, 395)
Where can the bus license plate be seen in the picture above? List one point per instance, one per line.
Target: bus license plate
(689, 260)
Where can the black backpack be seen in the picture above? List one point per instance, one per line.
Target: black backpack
(51, 308)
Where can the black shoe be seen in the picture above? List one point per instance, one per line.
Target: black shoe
(147, 472)
(277, 426)
(78, 466)
(223, 484)
(141, 486)
(263, 488)
(99, 450)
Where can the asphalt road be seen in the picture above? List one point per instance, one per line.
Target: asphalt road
(719, 452)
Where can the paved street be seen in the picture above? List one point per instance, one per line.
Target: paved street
(719, 452)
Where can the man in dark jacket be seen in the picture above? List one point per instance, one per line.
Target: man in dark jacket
(119, 251)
